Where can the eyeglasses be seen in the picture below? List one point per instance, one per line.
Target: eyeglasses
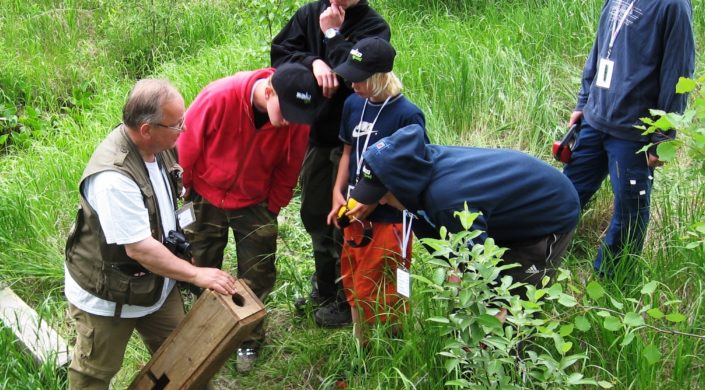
(179, 128)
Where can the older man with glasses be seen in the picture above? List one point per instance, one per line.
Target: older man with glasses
(119, 276)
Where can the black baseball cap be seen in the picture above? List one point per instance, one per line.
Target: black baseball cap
(367, 57)
(369, 190)
(298, 92)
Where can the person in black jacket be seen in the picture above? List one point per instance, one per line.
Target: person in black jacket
(320, 35)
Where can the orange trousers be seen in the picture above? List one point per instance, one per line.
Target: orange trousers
(369, 272)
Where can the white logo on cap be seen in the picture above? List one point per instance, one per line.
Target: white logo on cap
(356, 55)
(304, 96)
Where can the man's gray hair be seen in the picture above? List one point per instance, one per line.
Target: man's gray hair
(145, 101)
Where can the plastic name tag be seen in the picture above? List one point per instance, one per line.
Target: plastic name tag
(403, 282)
(186, 215)
(603, 78)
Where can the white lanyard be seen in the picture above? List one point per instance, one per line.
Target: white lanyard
(358, 152)
(617, 26)
(407, 219)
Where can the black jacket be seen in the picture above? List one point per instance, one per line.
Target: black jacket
(301, 40)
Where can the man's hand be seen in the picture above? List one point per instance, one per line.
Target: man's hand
(325, 77)
(338, 202)
(653, 161)
(154, 256)
(361, 211)
(575, 117)
(214, 279)
(332, 17)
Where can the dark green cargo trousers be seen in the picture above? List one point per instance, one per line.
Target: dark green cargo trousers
(255, 230)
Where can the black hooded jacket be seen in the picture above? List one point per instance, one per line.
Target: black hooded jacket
(302, 40)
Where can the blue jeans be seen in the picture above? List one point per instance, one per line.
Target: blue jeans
(597, 154)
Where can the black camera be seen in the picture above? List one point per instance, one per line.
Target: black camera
(177, 243)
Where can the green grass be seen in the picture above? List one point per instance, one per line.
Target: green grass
(486, 73)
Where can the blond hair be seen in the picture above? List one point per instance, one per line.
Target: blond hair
(384, 84)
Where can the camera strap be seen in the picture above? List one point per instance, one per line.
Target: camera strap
(366, 235)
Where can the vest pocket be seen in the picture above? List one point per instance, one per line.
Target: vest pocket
(138, 288)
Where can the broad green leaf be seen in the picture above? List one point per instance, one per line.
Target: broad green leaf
(450, 364)
(617, 304)
(582, 323)
(675, 317)
(567, 300)
(603, 313)
(605, 384)
(652, 354)
(666, 150)
(574, 378)
(649, 288)
(566, 330)
(566, 347)
(612, 323)
(595, 290)
(655, 313)
(489, 321)
(628, 338)
(685, 85)
(655, 112)
(633, 319)
(570, 360)
(663, 123)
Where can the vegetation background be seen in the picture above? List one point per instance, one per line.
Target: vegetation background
(496, 73)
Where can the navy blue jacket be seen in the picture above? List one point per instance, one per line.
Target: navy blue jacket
(651, 51)
(397, 113)
(520, 196)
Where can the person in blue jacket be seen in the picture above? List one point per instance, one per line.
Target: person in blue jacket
(641, 49)
(527, 205)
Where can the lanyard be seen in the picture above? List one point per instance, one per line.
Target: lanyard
(407, 220)
(167, 188)
(617, 26)
(358, 152)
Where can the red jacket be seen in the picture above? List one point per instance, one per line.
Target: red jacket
(227, 160)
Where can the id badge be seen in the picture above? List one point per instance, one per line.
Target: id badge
(604, 73)
(186, 215)
(403, 282)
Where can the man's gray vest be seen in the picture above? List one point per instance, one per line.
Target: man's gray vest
(103, 269)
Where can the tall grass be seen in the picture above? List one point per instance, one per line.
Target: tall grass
(498, 73)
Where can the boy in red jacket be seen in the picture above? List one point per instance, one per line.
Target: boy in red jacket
(245, 140)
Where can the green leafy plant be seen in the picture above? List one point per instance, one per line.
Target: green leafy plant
(535, 346)
(529, 348)
(690, 126)
(19, 129)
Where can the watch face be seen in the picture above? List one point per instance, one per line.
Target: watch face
(330, 33)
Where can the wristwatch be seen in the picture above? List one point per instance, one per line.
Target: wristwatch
(331, 33)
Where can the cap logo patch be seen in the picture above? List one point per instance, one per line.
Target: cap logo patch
(366, 173)
(380, 145)
(304, 97)
(356, 55)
